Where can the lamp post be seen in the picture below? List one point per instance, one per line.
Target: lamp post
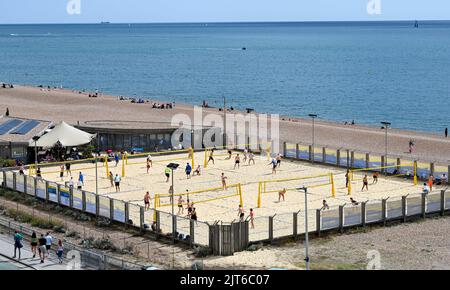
(96, 173)
(305, 189)
(173, 166)
(386, 126)
(313, 116)
(35, 139)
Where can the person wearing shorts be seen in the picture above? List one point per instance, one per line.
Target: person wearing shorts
(188, 170)
(274, 165)
(148, 166)
(197, 171)
(194, 215)
(69, 172)
(237, 161)
(224, 181)
(375, 178)
(241, 213)
(167, 172)
(211, 156)
(147, 200)
(229, 155)
(42, 249)
(189, 208)
(431, 182)
(61, 172)
(117, 180)
(48, 243)
(365, 183)
(251, 158)
(252, 218)
(278, 160)
(180, 205)
(281, 194)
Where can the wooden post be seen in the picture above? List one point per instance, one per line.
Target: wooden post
(442, 202)
(341, 218)
(367, 160)
(318, 213)
(404, 208)
(271, 228)
(384, 210)
(338, 157)
(424, 204)
(297, 151)
(111, 209)
(363, 213)
(294, 224)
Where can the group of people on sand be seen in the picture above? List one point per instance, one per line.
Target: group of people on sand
(247, 157)
(7, 86)
(163, 106)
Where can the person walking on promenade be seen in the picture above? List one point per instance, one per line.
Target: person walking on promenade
(33, 244)
(18, 238)
(60, 252)
(48, 243)
(42, 249)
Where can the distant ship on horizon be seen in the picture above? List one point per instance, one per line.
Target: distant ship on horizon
(105, 22)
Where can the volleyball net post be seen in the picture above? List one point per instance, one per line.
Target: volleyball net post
(107, 166)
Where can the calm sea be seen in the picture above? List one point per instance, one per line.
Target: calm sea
(364, 71)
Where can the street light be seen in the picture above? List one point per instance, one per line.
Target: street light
(173, 166)
(313, 116)
(386, 126)
(35, 139)
(305, 189)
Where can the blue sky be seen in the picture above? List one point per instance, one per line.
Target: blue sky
(129, 11)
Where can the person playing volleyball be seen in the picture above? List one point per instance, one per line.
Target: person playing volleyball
(281, 194)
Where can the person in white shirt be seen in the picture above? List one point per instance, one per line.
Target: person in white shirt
(48, 243)
(117, 180)
(426, 188)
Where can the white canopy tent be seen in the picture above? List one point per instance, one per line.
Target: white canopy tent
(67, 135)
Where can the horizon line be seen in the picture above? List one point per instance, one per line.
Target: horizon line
(228, 22)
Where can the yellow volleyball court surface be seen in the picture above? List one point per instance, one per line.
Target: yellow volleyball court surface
(255, 185)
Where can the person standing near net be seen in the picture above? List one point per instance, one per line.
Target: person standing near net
(278, 158)
(251, 158)
(245, 155)
(281, 194)
(224, 181)
(180, 205)
(274, 165)
(237, 161)
(347, 178)
(149, 160)
(375, 178)
(211, 156)
(61, 172)
(111, 178)
(252, 218)
(167, 172)
(117, 180)
(365, 183)
(148, 166)
(116, 158)
(188, 170)
(81, 178)
(68, 171)
(241, 213)
(147, 200)
(194, 215)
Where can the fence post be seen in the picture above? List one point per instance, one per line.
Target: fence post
(442, 202)
(404, 208)
(192, 232)
(367, 160)
(399, 162)
(83, 200)
(174, 227)
(58, 193)
(383, 210)
(424, 204)
(383, 164)
(4, 178)
(97, 205)
(432, 168)
(294, 225)
(324, 155)
(284, 149)
(297, 151)
(363, 213)
(341, 218)
(111, 209)
(141, 218)
(318, 213)
(271, 228)
(352, 159)
(35, 186)
(71, 197)
(127, 213)
(25, 181)
(47, 197)
(311, 153)
(14, 181)
(158, 224)
(338, 157)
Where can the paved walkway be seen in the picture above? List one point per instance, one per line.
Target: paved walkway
(26, 261)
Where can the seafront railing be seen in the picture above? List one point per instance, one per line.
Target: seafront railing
(354, 159)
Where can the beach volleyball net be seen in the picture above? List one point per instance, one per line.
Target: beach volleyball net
(407, 171)
(160, 157)
(222, 152)
(49, 168)
(271, 187)
(214, 196)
